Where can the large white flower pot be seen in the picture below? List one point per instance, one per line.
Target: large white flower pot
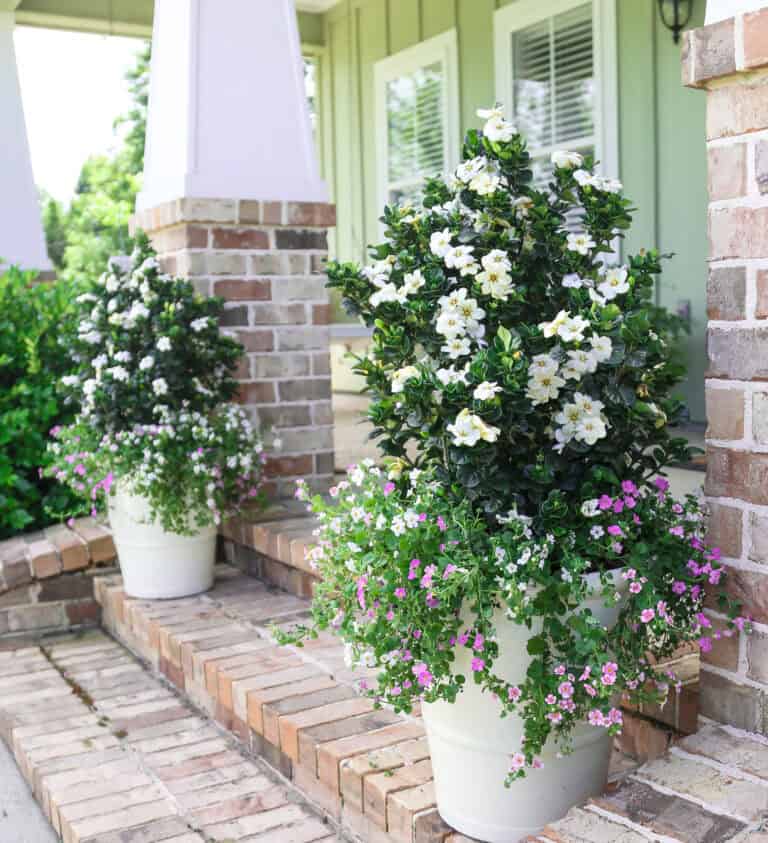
(156, 564)
(471, 748)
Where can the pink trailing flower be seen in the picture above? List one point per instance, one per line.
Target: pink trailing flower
(647, 615)
(478, 664)
(679, 587)
(400, 593)
(661, 483)
(614, 530)
(514, 693)
(628, 487)
(389, 488)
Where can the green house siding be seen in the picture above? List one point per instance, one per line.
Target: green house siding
(661, 130)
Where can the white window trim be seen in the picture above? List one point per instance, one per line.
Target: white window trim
(522, 13)
(442, 48)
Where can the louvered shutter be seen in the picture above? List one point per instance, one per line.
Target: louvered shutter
(416, 130)
(554, 86)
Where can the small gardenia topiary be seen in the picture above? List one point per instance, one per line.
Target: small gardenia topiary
(531, 379)
(153, 387)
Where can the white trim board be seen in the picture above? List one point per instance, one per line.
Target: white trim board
(523, 13)
(442, 48)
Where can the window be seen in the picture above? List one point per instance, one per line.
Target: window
(416, 117)
(556, 74)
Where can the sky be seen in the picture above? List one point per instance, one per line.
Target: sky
(72, 88)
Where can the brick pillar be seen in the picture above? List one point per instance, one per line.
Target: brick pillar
(266, 260)
(729, 60)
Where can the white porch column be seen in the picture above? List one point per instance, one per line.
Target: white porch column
(21, 231)
(233, 200)
(227, 108)
(718, 10)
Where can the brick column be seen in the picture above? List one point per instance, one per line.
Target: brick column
(729, 60)
(266, 260)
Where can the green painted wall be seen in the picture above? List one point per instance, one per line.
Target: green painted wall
(661, 131)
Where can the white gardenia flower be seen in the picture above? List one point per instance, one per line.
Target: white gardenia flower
(460, 257)
(468, 170)
(561, 158)
(146, 363)
(573, 281)
(485, 183)
(542, 364)
(550, 329)
(580, 243)
(112, 284)
(495, 113)
(70, 380)
(440, 242)
(123, 357)
(100, 361)
(585, 178)
(412, 282)
(588, 406)
(544, 387)
(469, 311)
(468, 429)
(590, 429)
(602, 347)
(615, 282)
(496, 261)
(119, 373)
(91, 337)
(400, 377)
(486, 391)
(496, 285)
(200, 324)
(572, 329)
(164, 344)
(90, 386)
(160, 386)
(457, 347)
(450, 324)
(498, 130)
(583, 361)
(386, 293)
(452, 375)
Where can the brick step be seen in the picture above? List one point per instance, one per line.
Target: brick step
(112, 755)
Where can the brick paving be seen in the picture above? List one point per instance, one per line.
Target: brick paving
(113, 756)
(369, 770)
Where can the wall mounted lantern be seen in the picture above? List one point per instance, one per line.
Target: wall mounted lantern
(675, 14)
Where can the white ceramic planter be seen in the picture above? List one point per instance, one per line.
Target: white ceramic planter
(471, 745)
(156, 564)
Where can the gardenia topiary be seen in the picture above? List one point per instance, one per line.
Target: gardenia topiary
(507, 346)
(155, 378)
(521, 383)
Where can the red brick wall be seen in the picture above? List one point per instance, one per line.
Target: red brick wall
(730, 60)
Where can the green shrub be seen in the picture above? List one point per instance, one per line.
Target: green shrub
(35, 323)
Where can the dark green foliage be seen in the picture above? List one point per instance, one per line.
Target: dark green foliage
(35, 338)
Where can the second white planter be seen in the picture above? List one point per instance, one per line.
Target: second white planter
(471, 746)
(157, 564)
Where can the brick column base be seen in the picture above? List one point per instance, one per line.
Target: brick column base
(267, 260)
(730, 60)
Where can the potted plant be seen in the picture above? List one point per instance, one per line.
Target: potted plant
(522, 555)
(155, 435)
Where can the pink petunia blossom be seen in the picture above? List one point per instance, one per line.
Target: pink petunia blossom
(647, 615)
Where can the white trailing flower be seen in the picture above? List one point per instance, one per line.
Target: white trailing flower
(164, 344)
(146, 363)
(160, 386)
(200, 324)
(119, 373)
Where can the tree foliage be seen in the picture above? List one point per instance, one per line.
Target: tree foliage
(95, 226)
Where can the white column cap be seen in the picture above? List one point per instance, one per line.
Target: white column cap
(228, 116)
(21, 231)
